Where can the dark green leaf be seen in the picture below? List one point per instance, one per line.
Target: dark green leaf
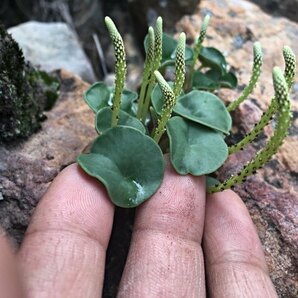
(203, 82)
(169, 45)
(129, 164)
(157, 99)
(204, 108)
(213, 58)
(227, 80)
(127, 99)
(104, 119)
(99, 96)
(195, 149)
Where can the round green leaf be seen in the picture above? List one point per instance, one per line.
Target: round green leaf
(100, 95)
(213, 58)
(226, 80)
(169, 46)
(203, 82)
(129, 164)
(97, 96)
(195, 149)
(104, 118)
(127, 99)
(204, 108)
(157, 99)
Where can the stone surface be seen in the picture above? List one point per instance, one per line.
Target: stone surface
(287, 8)
(272, 195)
(27, 169)
(53, 46)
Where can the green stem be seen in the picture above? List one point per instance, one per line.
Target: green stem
(289, 74)
(266, 117)
(256, 71)
(149, 60)
(161, 126)
(156, 64)
(197, 49)
(280, 132)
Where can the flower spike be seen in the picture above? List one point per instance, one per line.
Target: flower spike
(148, 69)
(280, 132)
(197, 49)
(290, 68)
(169, 103)
(180, 65)
(256, 71)
(120, 68)
(289, 74)
(156, 63)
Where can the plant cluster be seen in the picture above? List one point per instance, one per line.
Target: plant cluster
(24, 92)
(182, 117)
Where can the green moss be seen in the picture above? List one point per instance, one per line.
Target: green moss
(20, 86)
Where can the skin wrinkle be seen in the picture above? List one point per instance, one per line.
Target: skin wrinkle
(165, 216)
(72, 214)
(233, 252)
(63, 254)
(76, 226)
(174, 257)
(171, 234)
(240, 283)
(73, 255)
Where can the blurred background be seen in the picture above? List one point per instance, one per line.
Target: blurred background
(86, 20)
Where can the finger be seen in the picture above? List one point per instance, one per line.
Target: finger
(235, 263)
(63, 253)
(9, 280)
(165, 257)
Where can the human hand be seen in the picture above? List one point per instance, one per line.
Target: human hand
(177, 233)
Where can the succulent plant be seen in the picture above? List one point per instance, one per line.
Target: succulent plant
(182, 117)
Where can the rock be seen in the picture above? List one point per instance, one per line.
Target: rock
(272, 195)
(53, 46)
(27, 169)
(287, 8)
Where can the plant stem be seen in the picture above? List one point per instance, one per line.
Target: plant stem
(280, 132)
(256, 71)
(289, 74)
(197, 49)
(147, 71)
(156, 64)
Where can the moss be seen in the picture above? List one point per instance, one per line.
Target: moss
(20, 86)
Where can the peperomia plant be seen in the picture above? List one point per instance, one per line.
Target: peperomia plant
(182, 118)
